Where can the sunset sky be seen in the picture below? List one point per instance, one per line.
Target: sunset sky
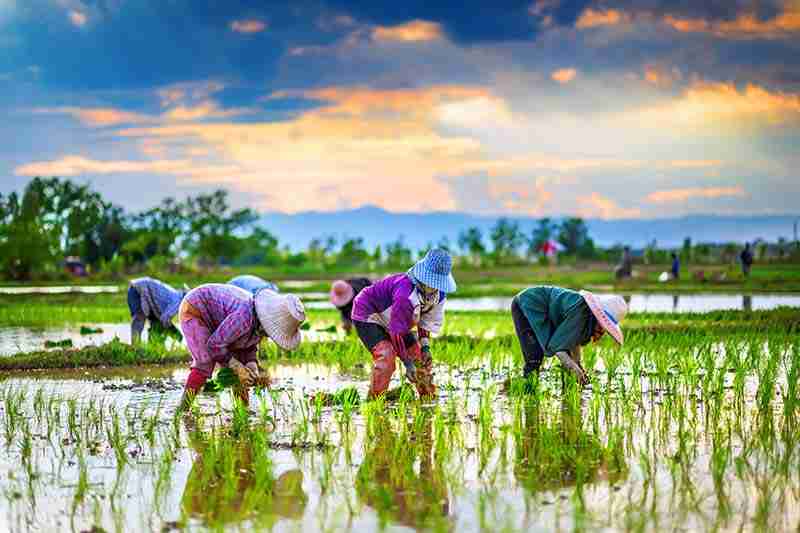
(548, 107)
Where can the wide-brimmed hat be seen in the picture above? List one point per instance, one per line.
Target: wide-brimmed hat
(341, 293)
(434, 270)
(280, 316)
(609, 310)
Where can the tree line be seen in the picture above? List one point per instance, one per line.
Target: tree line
(57, 218)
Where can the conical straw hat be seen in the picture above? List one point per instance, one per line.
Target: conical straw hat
(280, 316)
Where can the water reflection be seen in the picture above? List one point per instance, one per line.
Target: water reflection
(231, 481)
(747, 302)
(390, 481)
(552, 454)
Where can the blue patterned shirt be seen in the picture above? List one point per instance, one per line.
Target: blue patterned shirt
(158, 299)
(252, 284)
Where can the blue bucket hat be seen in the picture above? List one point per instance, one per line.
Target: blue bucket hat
(434, 270)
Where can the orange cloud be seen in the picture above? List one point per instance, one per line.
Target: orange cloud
(247, 26)
(413, 31)
(74, 165)
(100, 116)
(564, 75)
(97, 116)
(366, 141)
(592, 19)
(681, 195)
(745, 26)
(706, 105)
(661, 77)
(204, 110)
(77, 18)
(596, 205)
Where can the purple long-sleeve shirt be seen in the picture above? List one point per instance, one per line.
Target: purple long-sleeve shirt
(395, 304)
(230, 315)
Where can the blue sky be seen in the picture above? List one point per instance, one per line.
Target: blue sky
(546, 107)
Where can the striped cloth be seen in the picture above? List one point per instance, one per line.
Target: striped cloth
(159, 300)
(252, 284)
(220, 322)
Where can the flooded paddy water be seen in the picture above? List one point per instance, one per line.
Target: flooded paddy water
(680, 433)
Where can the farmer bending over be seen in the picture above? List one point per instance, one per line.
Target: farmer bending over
(252, 284)
(555, 321)
(343, 292)
(225, 324)
(385, 313)
(153, 300)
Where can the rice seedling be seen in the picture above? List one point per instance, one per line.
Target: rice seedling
(678, 428)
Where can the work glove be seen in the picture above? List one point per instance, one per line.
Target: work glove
(569, 363)
(246, 375)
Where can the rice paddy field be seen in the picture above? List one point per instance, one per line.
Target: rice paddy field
(693, 425)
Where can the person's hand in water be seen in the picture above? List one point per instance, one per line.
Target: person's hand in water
(245, 375)
(570, 364)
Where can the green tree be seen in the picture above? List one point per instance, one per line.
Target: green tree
(471, 243)
(397, 254)
(543, 232)
(573, 235)
(506, 239)
(27, 248)
(213, 227)
(352, 253)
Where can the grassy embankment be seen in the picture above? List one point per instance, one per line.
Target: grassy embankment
(507, 281)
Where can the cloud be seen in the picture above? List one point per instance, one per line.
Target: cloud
(681, 195)
(479, 192)
(564, 75)
(592, 19)
(662, 77)
(706, 105)
(247, 26)
(97, 116)
(77, 18)
(745, 26)
(75, 165)
(595, 205)
(413, 31)
(103, 117)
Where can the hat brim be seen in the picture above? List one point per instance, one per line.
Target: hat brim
(340, 300)
(597, 310)
(444, 283)
(289, 343)
(273, 329)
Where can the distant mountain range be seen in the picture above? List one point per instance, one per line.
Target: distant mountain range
(378, 226)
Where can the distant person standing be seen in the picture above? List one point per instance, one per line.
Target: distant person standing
(746, 257)
(625, 268)
(343, 292)
(676, 266)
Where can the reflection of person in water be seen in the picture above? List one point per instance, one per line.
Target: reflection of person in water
(230, 483)
(388, 482)
(552, 455)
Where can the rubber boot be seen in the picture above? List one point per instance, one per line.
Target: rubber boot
(383, 365)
